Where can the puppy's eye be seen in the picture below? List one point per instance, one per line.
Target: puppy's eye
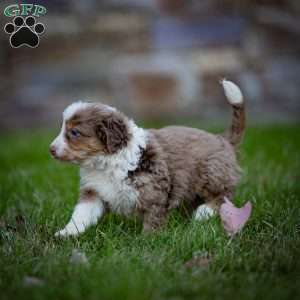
(75, 133)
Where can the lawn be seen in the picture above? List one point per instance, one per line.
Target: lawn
(263, 262)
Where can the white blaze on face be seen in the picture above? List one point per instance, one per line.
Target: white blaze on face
(73, 108)
(59, 142)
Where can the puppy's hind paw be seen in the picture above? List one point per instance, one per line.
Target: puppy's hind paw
(204, 212)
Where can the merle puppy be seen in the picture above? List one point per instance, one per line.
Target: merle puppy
(130, 170)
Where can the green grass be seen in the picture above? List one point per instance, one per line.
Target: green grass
(37, 195)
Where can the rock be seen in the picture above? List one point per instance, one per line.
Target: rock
(33, 281)
(199, 261)
(78, 258)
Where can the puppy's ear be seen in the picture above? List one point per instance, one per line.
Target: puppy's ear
(113, 133)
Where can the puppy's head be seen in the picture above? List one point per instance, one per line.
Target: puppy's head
(90, 129)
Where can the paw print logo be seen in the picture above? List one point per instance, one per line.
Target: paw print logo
(24, 32)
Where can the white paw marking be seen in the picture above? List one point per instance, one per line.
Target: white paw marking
(67, 231)
(204, 212)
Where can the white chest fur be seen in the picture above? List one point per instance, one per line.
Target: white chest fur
(112, 188)
(107, 174)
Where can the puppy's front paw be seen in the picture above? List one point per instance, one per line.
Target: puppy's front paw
(61, 233)
(67, 231)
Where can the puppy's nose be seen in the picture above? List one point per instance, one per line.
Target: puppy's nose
(52, 150)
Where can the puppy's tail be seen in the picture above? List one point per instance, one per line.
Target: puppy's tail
(235, 98)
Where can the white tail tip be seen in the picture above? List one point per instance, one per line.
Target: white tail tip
(232, 92)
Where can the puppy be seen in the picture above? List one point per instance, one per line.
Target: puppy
(130, 170)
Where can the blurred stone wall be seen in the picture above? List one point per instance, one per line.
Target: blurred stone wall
(155, 60)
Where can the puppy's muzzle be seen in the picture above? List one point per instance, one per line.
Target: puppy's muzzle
(52, 150)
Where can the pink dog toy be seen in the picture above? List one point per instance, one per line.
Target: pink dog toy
(234, 218)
